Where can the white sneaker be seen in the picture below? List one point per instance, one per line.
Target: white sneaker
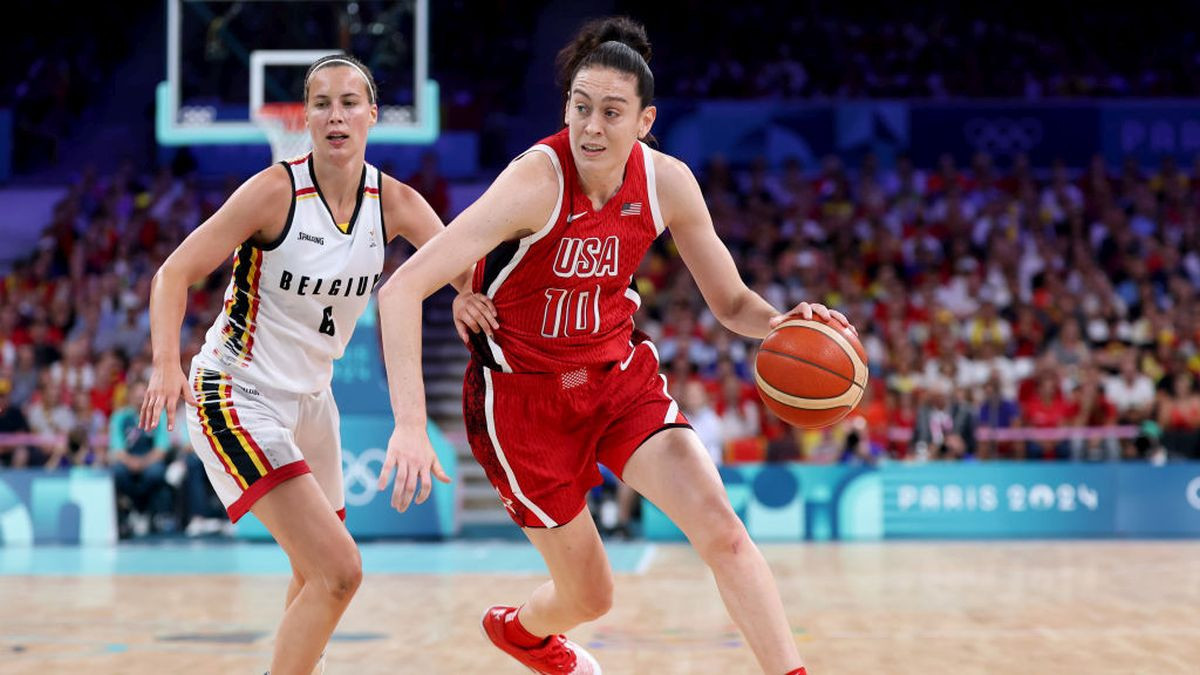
(199, 526)
(139, 523)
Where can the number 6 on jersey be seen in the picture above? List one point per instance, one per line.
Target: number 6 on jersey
(327, 326)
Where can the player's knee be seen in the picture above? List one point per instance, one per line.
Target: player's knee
(596, 601)
(725, 538)
(343, 576)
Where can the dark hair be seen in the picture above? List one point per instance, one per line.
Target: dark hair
(345, 61)
(616, 42)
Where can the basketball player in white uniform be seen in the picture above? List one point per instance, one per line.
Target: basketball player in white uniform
(308, 240)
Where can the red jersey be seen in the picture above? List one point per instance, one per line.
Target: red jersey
(564, 295)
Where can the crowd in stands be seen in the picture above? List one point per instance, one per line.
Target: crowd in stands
(74, 343)
(998, 307)
(821, 49)
(1006, 314)
(52, 76)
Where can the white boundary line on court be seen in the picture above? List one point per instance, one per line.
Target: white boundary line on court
(646, 560)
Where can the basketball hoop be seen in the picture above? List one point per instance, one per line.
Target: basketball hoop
(283, 124)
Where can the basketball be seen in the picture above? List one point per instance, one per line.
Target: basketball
(810, 373)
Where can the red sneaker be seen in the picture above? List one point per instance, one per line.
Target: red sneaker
(559, 656)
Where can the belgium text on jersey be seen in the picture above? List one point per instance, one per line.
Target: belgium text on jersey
(356, 285)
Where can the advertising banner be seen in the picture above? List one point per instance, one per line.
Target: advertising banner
(792, 502)
(1043, 132)
(1150, 130)
(1003, 500)
(369, 512)
(70, 506)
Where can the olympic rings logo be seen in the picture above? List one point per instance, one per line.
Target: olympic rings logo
(361, 475)
(1193, 493)
(1003, 136)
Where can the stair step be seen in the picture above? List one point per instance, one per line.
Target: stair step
(445, 349)
(443, 389)
(444, 408)
(477, 491)
(444, 370)
(493, 516)
(469, 470)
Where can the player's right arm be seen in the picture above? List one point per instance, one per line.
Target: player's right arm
(516, 205)
(253, 211)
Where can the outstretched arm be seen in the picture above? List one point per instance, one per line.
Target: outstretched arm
(735, 305)
(253, 209)
(517, 204)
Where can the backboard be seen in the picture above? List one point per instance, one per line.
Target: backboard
(226, 58)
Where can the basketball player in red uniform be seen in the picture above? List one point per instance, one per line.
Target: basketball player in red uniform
(566, 381)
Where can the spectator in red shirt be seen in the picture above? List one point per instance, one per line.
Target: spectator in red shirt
(432, 185)
(1087, 407)
(1046, 409)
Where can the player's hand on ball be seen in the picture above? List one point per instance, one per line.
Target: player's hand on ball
(412, 458)
(474, 312)
(807, 310)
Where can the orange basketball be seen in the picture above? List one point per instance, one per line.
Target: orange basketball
(810, 373)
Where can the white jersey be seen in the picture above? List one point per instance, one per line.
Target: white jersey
(292, 304)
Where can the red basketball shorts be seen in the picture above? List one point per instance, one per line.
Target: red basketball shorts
(539, 436)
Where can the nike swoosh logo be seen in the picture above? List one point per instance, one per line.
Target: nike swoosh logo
(576, 216)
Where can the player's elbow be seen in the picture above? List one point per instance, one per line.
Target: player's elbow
(727, 308)
(168, 277)
(401, 287)
(392, 290)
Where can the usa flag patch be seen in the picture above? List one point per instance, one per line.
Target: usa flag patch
(631, 209)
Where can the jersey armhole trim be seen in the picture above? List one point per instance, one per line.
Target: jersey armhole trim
(532, 239)
(287, 225)
(549, 226)
(652, 189)
(382, 221)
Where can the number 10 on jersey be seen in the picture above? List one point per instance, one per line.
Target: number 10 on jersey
(572, 312)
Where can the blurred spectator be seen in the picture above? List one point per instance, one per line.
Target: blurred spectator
(944, 426)
(431, 185)
(85, 440)
(1131, 392)
(1068, 347)
(74, 372)
(49, 416)
(704, 420)
(24, 378)
(859, 450)
(12, 421)
(1087, 407)
(1046, 409)
(1179, 417)
(138, 465)
(902, 419)
(739, 410)
(999, 410)
(202, 511)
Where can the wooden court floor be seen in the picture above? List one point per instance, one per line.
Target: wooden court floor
(999, 607)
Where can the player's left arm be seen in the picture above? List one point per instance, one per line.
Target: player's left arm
(735, 305)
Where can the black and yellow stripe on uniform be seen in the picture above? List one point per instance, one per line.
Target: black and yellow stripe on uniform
(239, 454)
(241, 309)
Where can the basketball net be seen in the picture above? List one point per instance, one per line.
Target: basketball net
(283, 124)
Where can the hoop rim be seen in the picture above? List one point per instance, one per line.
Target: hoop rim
(288, 113)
